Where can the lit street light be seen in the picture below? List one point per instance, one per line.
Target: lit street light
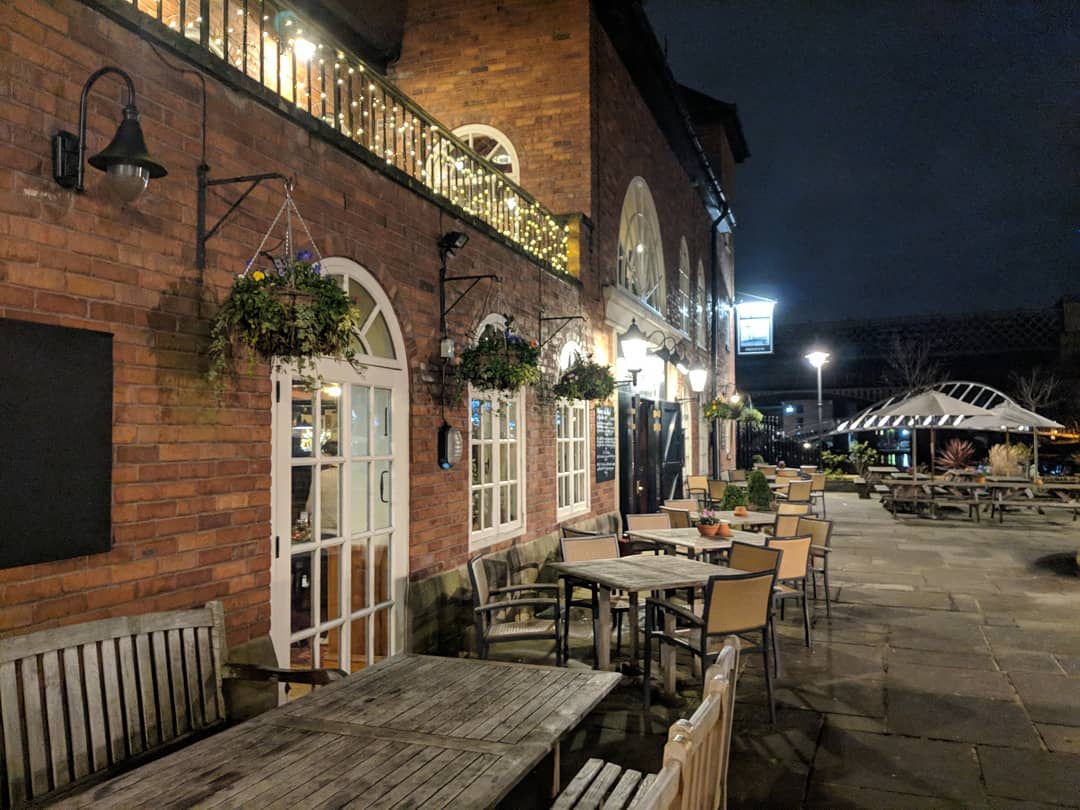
(817, 360)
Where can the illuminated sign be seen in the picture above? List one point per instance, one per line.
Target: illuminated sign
(754, 322)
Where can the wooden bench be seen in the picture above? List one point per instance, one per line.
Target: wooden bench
(79, 703)
(694, 772)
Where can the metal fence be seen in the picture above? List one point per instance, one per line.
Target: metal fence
(768, 440)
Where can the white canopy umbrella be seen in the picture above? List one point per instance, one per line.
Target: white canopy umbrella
(931, 409)
(1010, 416)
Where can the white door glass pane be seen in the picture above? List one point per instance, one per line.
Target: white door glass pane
(330, 648)
(358, 497)
(381, 481)
(329, 421)
(330, 583)
(359, 563)
(301, 656)
(380, 564)
(486, 521)
(358, 635)
(485, 463)
(485, 421)
(511, 420)
(300, 598)
(381, 426)
(477, 516)
(302, 422)
(512, 462)
(329, 501)
(504, 466)
(504, 504)
(380, 633)
(301, 504)
(513, 490)
(362, 299)
(358, 420)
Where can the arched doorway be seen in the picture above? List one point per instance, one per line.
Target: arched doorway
(339, 556)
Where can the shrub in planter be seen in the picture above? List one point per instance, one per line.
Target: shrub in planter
(734, 495)
(288, 315)
(501, 360)
(584, 379)
(757, 490)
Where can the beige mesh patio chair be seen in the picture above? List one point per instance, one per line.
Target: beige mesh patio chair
(817, 492)
(786, 526)
(788, 508)
(787, 472)
(716, 492)
(820, 532)
(679, 518)
(767, 470)
(738, 475)
(697, 487)
(791, 576)
(737, 604)
(644, 522)
(582, 595)
(689, 504)
(569, 532)
(495, 612)
(798, 491)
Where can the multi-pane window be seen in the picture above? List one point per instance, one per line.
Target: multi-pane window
(701, 305)
(571, 450)
(683, 303)
(641, 251)
(496, 449)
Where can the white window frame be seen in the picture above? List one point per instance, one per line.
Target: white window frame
(498, 401)
(468, 134)
(640, 260)
(683, 304)
(566, 411)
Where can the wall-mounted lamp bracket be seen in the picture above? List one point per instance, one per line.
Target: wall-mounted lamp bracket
(566, 319)
(444, 310)
(202, 234)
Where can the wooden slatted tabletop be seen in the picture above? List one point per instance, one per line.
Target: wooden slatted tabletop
(411, 731)
(636, 574)
(692, 540)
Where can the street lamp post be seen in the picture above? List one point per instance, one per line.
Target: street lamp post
(817, 359)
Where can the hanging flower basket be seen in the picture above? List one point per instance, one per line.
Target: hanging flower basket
(584, 379)
(501, 360)
(721, 408)
(288, 315)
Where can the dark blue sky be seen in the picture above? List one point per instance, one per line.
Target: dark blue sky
(906, 157)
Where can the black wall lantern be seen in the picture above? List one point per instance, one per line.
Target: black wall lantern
(125, 161)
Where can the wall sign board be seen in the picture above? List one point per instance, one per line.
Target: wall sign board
(754, 324)
(56, 392)
(605, 443)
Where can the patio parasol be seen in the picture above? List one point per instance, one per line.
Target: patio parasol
(1010, 416)
(928, 409)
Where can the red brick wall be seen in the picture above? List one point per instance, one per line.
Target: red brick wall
(191, 480)
(521, 66)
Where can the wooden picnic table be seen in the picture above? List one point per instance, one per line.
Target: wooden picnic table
(410, 731)
(636, 574)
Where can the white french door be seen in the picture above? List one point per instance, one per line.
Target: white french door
(340, 505)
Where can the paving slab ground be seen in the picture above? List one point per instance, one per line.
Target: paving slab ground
(948, 676)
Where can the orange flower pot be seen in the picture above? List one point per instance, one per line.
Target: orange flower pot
(740, 511)
(708, 530)
(724, 530)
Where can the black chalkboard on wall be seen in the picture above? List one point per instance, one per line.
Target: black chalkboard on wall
(56, 397)
(605, 443)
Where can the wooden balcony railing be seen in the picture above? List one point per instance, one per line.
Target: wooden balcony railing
(271, 44)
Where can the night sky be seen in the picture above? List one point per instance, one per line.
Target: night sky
(906, 157)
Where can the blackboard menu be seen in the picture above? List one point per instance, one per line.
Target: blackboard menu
(605, 443)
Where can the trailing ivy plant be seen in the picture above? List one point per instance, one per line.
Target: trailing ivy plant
(584, 379)
(288, 315)
(501, 360)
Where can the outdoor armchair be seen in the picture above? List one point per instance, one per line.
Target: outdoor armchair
(791, 576)
(821, 533)
(491, 607)
(678, 518)
(584, 549)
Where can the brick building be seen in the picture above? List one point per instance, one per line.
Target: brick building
(321, 517)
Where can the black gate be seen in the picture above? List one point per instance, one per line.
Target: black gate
(768, 441)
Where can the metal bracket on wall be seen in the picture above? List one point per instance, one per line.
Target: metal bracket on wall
(444, 310)
(202, 234)
(542, 319)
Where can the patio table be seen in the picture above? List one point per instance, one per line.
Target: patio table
(635, 574)
(692, 540)
(749, 519)
(410, 731)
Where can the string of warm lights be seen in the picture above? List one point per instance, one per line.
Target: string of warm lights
(270, 44)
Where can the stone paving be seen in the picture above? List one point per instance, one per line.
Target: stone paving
(948, 675)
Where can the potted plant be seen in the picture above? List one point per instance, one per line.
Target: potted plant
(757, 490)
(584, 379)
(501, 360)
(289, 314)
(734, 495)
(708, 524)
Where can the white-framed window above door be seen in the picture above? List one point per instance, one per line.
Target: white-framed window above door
(340, 496)
(571, 447)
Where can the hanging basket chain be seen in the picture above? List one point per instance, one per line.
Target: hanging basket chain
(288, 208)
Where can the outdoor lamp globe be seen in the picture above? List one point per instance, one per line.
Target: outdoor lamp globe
(698, 377)
(634, 347)
(818, 359)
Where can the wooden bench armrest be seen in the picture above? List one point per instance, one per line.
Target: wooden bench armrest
(536, 586)
(254, 672)
(516, 603)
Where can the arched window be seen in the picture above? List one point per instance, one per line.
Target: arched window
(641, 251)
(493, 146)
(701, 305)
(683, 304)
